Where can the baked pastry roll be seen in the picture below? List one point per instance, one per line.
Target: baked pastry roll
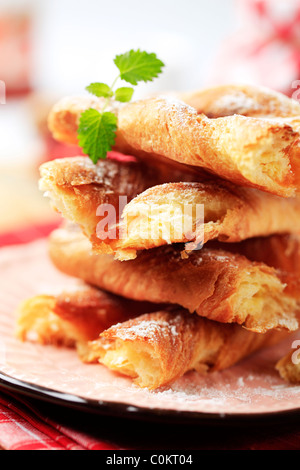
(87, 194)
(158, 215)
(157, 348)
(79, 189)
(247, 100)
(249, 151)
(154, 349)
(279, 251)
(74, 317)
(165, 214)
(250, 101)
(213, 283)
(37, 321)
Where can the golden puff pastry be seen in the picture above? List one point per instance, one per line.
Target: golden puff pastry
(213, 283)
(87, 194)
(157, 348)
(74, 317)
(36, 321)
(168, 213)
(244, 99)
(251, 101)
(162, 214)
(279, 251)
(79, 189)
(249, 151)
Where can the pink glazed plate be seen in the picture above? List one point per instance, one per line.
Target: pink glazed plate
(250, 390)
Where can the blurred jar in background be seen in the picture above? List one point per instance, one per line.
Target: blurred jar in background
(15, 46)
(265, 50)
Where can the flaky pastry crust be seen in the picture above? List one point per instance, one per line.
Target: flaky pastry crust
(74, 317)
(79, 189)
(216, 284)
(152, 214)
(249, 151)
(231, 214)
(157, 348)
(279, 251)
(247, 100)
(153, 348)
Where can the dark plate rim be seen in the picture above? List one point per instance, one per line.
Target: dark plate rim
(130, 411)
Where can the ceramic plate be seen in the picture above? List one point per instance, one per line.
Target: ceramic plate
(252, 389)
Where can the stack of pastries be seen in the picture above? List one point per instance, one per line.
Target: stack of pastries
(155, 302)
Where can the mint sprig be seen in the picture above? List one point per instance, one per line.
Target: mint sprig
(137, 66)
(124, 94)
(97, 129)
(100, 89)
(97, 133)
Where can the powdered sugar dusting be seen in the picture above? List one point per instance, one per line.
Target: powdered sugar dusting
(236, 104)
(184, 112)
(147, 329)
(245, 393)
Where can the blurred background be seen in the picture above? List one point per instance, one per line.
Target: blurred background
(51, 48)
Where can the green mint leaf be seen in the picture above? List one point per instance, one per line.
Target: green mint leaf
(100, 89)
(124, 94)
(97, 133)
(136, 66)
